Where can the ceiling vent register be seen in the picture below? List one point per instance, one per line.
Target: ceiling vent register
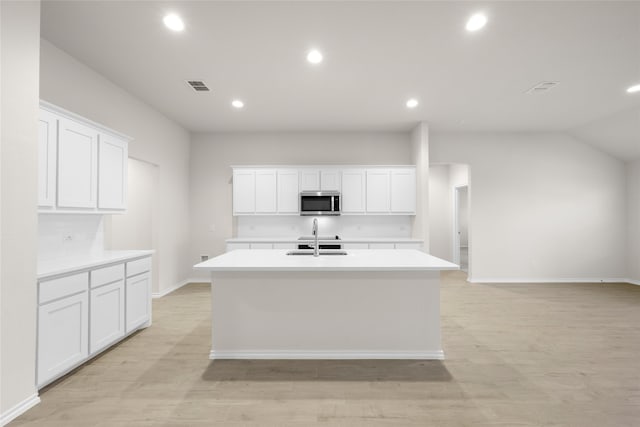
(198, 85)
(542, 87)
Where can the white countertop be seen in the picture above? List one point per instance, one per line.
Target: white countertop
(63, 265)
(355, 260)
(342, 240)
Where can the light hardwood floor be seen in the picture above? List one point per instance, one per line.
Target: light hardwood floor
(516, 355)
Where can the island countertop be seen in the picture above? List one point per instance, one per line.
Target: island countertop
(355, 260)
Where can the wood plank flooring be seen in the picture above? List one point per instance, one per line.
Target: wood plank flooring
(516, 355)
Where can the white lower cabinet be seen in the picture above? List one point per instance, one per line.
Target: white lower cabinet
(107, 315)
(138, 301)
(81, 314)
(63, 334)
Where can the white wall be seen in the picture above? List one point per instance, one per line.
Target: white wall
(62, 235)
(212, 156)
(633, 221)
(420, 158)
(545, 207)
(19, 47)
(72, 85)
(440, 212)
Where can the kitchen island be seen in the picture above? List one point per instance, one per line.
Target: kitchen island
(368, 304)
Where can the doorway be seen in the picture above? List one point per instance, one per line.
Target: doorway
(137, 228)
(461, 227)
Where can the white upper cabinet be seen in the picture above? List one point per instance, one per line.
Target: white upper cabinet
(378, 198)
(287, 192)
(330, 180)
(266, 198)
(82, 166)
(403, 191)
(112, 177)
(47, 155)
(320, 180)
(353, 191)
(244, 192)
(77, 165)
(309, 180)
(374, 190)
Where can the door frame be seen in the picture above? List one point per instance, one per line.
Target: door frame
(456, 227)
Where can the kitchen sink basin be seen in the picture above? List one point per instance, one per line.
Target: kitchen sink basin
(321, 252)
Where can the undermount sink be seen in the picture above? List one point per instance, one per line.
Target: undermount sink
(321, 252)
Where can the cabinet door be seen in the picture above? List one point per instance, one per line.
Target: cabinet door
(138, 301)
(403, 191)
(47, 153)
(309, 180)
(62, 335)
(266, 189)
(330, 180)
(107, 315)
(353, 191)
(112, 173)
(288, 193)
(77, 165)
(244, 192)
(378, 191)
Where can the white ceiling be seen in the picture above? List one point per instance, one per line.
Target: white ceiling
(377, 55)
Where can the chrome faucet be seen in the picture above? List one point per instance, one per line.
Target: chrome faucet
(314, 231)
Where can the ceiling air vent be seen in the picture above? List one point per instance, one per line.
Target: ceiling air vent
(542, 87)
(198, 85)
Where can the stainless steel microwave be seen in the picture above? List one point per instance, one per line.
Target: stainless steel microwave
(316, 203)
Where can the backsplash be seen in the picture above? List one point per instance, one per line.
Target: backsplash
(62, 235)
(345, 226)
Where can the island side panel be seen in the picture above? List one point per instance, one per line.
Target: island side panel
(326, 315)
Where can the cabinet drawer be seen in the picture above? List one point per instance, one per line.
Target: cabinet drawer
(62, 287)
(138, 266)
(105, 275)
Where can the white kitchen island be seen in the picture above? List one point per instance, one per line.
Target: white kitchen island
(368, 304)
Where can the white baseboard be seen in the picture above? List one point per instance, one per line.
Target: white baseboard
(547, 280)
(179, 285)
(7, 416)
(304, 354)
(633, 281)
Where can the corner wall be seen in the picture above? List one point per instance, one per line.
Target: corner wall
(420, 158)
(158, 140)
(19, 50)
(633, 222)
(545, 206)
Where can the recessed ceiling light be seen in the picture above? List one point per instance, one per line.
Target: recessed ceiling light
(173, 22)
(412, 103)
(476, 22)
(634, 89)
(314, 56)
(237, 103)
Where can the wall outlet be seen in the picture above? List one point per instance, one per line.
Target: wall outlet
(204, 258)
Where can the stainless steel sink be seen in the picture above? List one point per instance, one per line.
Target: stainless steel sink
(321, 252)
